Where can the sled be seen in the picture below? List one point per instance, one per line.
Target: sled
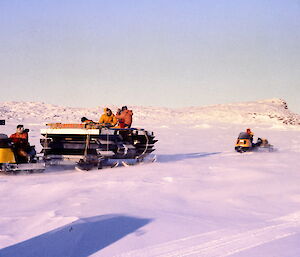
(96, 146)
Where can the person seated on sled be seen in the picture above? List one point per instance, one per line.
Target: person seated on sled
(125, 117)
(108, 118)
(85, 120)
(121, 123)
(24, 152)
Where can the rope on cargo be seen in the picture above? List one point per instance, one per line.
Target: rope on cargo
(86, 145)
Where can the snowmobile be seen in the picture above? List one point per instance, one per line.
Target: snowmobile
(244, 144)
(96, 145)
(11, 163)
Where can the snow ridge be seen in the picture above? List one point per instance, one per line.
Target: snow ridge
(270, 111)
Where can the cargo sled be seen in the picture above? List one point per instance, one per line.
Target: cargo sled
(11, 163)
(244, 144)
(96, 145)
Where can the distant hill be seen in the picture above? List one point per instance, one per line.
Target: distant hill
(270, 111)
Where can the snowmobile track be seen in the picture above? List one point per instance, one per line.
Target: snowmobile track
(222, 246)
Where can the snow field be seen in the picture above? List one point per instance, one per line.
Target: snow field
(200, 198)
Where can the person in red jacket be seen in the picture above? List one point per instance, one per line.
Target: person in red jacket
(20, 137)
(24, 152)
(125, 117)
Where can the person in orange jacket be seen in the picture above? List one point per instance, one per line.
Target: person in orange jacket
(108, 117)
(125, 117)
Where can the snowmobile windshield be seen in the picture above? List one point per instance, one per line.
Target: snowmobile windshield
(3, 136)
(4, 141)
(244, 135)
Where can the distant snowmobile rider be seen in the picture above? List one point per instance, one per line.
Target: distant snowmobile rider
(250, 133)
(108, 117)
(22, 148)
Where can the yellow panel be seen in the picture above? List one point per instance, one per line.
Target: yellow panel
(243, 143)
(7, 156)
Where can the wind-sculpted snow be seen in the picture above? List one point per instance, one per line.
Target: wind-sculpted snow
(272, 111)
(200, 199)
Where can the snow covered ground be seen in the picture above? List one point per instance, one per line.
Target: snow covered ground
(199, 199)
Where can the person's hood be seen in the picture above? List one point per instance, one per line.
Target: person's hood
(105, 110)
(129, 112)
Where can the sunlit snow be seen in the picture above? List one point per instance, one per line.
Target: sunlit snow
(200, 198)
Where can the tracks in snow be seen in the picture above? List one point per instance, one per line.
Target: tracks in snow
(222, 243)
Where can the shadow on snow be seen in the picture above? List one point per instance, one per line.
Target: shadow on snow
(179, 157)
(77, 239)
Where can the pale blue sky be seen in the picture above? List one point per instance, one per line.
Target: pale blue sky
(149, 52)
